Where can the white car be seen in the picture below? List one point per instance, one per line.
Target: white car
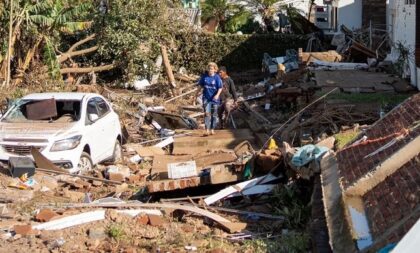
(83, 131)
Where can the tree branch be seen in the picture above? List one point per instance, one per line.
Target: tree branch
(87, 69)
(83, 41)
(65, 56)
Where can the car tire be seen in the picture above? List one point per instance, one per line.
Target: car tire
(85, 163)
(117, 155)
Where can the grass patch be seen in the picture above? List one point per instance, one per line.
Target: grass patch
(345, 137)
(290, 243)
(115, 231)
(381, 98)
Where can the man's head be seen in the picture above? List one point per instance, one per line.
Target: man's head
(223, 72)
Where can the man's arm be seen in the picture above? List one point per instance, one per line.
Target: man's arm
(232, 89)
(219, 86)
(219, 91)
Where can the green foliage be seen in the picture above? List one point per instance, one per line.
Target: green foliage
(291, 202)
(229, 16)
(39, 26)
(240, 22)
(265, 8)
(236, 52)
(404, 54)
(130, 34)
(383, 99)
(295, 243)
(345, 137)
(115, 231)
(50, 59)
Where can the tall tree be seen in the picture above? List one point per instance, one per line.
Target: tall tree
(224, 13)
(37, 26)
(266, 9)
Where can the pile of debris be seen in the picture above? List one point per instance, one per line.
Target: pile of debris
(219, 190)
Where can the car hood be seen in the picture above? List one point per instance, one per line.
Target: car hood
(45, 131)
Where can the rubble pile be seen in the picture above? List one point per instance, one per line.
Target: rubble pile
(177, 190)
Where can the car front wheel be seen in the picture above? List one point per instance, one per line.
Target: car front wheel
(85, 163)
(117, 155)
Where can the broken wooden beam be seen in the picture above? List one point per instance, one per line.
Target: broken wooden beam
(180, 96)
(168, 67)
(222, 139)
(238, 188)
(229, 226)
(234, 211)
(79, 176)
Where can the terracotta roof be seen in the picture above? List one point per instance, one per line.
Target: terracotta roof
(391, 202)
(395, 198)
(352, 162)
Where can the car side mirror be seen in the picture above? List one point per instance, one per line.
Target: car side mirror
(93, 117)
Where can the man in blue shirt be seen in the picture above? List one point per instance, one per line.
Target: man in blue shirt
(212, 88)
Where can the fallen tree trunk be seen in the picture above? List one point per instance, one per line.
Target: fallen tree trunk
(65, 56)
(87, 69)
(168, 67)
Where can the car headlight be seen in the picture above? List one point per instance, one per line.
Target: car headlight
(66, 144)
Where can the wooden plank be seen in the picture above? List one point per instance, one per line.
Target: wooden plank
(238, 187)
(180, 96)
(222, 174)
(160, 162)
(262, 215)
(80, 176)
(257, 189)
(149, 151)
(225, 223)
(42, 162)
(223, 139)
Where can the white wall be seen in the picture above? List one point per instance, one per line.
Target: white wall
(402, 25)
(349, 12)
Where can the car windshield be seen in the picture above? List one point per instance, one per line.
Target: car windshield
(50, 110)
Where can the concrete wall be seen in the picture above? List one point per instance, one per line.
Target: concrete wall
(350, 13)
(401, 20)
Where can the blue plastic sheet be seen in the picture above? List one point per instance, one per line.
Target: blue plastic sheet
(308, 153)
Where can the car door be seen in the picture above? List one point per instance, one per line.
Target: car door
(107, 122)
(94, 132)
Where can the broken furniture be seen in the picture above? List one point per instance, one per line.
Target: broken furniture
(171, 121)
(19, 166)
(172, 172)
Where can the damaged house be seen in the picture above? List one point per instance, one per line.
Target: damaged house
(371, 188)
(402, 21)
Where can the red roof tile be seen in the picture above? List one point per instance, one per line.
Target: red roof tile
(352, 162)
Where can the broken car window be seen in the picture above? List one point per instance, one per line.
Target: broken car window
(102, 107)
(66, 111)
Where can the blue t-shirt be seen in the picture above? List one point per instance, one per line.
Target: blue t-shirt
(211, 85)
